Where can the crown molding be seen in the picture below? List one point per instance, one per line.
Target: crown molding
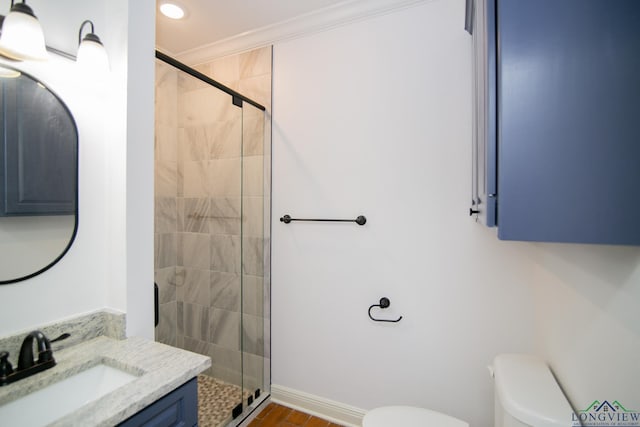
(320, 20)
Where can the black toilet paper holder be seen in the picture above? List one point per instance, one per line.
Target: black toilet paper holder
(384, 303)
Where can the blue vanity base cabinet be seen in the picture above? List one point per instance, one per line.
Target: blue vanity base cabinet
(177, 409)
(567, 113)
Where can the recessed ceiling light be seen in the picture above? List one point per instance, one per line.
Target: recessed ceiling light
(172, 10)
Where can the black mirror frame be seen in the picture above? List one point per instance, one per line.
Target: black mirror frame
(76, 192)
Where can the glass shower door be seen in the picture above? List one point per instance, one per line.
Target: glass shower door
(253, 253)
(224, 138)
(198, 199)
(212, 204)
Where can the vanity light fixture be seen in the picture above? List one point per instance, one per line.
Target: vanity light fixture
(91, 52)
(22, 36)
(172, 10)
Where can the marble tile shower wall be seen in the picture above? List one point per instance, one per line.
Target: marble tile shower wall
(209, 214)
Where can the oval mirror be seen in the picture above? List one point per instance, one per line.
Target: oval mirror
(38, 177)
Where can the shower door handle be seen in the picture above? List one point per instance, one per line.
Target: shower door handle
(156, 312)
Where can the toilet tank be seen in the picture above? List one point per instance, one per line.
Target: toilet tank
(527, 394)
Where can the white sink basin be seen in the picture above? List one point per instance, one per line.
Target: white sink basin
(59, 399)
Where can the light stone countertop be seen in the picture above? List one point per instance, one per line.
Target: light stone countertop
(161, 369)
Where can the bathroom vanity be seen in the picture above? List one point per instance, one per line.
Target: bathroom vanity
(159, 385)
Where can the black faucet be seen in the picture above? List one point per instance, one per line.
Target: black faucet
(27, 366)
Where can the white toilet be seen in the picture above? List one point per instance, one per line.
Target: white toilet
(408, 416)
(527, 394)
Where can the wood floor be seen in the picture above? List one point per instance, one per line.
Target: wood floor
(275, 415)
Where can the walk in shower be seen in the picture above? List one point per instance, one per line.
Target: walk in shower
(212, 205)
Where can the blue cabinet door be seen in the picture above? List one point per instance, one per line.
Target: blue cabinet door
(568, 90)
(38, 151)
(177, 409)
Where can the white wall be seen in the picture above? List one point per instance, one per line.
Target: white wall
(374, 118)
(96, 273)
(588, 320)
(139, 169)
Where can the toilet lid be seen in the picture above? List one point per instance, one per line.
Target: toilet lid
(409, 416)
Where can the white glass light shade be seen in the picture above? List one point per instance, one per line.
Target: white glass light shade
(22, 37)
(93, 56)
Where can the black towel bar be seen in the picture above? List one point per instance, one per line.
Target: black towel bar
(361, 220)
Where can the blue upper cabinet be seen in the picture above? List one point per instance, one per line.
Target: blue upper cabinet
(38, 150)
(557, 119)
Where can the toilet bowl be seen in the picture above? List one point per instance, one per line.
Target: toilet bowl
(408, 416)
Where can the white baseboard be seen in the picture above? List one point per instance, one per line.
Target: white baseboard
(330, 410)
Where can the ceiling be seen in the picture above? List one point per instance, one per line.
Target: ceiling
(211, 21)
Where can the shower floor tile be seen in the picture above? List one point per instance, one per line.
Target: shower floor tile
(216, 400)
